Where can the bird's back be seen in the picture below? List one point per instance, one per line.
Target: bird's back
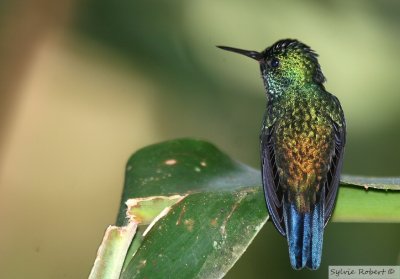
(303, 140)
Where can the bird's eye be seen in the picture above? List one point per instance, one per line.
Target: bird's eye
(274, 62)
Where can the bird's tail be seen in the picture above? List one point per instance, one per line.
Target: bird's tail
(304, 232)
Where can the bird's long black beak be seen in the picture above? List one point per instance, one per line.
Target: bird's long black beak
(249, 53)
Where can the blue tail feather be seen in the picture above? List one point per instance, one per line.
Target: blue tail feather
(304, 232)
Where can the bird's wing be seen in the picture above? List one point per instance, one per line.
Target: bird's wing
(333, 177)
(270, 179)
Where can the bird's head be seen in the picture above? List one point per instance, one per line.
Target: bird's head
(286, 63)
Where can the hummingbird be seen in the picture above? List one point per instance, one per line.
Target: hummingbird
(302, 143)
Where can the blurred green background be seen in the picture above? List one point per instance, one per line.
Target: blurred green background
(86, 83)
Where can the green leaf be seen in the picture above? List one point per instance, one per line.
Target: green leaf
(360, 201)
(201, 237)
(144, 212)
(219, 210)
(381, 183)
(182, 166)
(120, 244)
(112, 251)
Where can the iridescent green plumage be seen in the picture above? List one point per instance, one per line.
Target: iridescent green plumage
(305, 118)
(302, 145)
(304, 141)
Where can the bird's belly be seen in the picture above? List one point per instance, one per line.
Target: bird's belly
(303, 151)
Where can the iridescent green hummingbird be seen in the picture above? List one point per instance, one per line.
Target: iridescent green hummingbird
(302, 145)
